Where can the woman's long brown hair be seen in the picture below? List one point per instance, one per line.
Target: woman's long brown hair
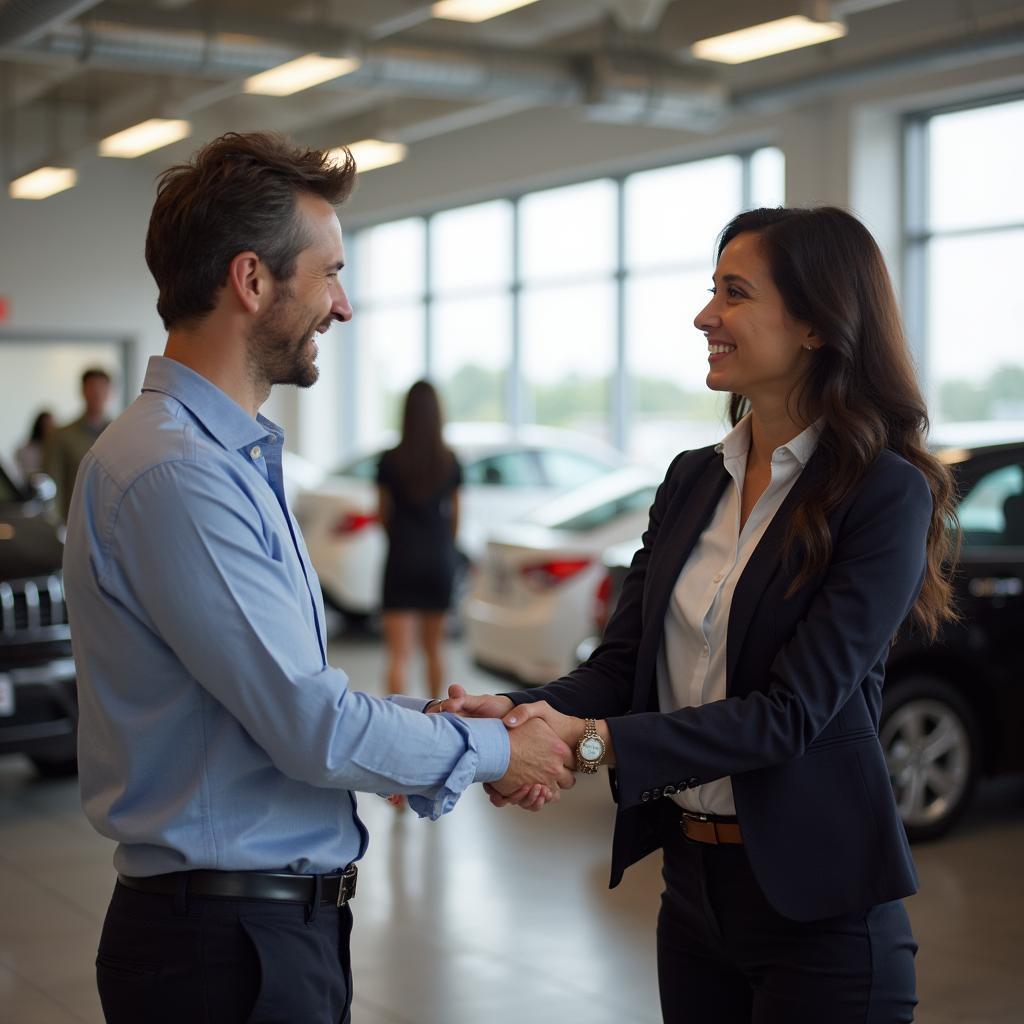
(861, 382)
(424, 462)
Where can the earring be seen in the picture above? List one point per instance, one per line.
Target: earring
(809, 348)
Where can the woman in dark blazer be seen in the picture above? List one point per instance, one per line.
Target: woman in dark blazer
(736, 693)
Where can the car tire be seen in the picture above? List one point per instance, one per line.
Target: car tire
(932, 747)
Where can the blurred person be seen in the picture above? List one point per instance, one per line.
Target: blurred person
(418, 487)
(29, 456)
(217, 747)
(738, 687)
(67, 445)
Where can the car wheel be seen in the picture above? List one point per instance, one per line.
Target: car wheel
(931, 742)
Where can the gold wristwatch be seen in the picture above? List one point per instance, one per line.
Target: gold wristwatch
(590, 750)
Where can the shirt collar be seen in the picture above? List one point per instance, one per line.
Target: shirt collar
(736, 443)
(221, 416)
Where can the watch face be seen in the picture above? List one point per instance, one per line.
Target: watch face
(592, 749)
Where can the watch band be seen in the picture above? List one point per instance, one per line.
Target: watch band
(588, 766)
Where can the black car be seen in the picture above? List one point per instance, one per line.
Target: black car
(38, 704)
(952, 711)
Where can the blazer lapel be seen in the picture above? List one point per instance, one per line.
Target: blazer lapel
(763, 564)
(683, 524)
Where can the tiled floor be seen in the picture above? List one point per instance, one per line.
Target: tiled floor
(496, 916)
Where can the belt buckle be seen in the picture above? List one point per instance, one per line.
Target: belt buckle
(347, 885)
(704, 820)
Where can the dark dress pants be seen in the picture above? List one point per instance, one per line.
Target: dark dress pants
(726, 956)
(168, 960)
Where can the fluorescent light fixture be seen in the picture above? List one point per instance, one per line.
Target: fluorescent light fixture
(475, 10)
(42, 183)
(373, 153)
(145, 137)
(766, 39)
(301, 73)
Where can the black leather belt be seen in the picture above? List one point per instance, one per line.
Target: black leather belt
(250, 885)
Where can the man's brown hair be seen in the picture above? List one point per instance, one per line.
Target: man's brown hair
(237, 194)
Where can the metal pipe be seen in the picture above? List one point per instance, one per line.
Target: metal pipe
(24, 21)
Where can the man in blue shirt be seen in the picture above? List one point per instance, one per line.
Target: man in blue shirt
(216, 745)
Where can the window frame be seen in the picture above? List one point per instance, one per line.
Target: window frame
(516, 412)
(918, 235)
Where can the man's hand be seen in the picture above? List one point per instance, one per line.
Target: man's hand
(540, 765)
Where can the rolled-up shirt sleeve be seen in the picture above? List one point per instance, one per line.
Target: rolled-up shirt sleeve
(205, 572)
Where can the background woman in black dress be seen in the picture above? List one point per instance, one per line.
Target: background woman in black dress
(418, 485)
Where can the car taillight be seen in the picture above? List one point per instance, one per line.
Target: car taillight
(601, 598)
(352, 522)
(550, 574)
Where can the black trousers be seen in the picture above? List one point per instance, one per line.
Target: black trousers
(172, 959)
(726, 956)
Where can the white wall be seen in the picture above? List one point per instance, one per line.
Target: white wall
(75, 262)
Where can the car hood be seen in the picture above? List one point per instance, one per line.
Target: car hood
(29, 545)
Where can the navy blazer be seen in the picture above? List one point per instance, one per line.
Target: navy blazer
(798, 729)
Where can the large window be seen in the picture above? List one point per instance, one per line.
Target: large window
(965, 248)
(570, 307)
(389, 265)
(470, 315)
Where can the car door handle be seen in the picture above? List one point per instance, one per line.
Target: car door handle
(996, 586)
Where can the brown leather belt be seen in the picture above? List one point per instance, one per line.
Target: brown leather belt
(251, 885)
(707, 828)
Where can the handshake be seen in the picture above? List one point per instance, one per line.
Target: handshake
(543, 743)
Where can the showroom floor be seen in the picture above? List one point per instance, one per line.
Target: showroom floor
(497, 916)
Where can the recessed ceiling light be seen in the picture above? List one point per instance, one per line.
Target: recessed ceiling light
(767, 39)
(42, 183)
(370, 154)
(475, 10)
(301, 73)
(145, 137)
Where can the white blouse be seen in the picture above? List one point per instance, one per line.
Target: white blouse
(691, 662)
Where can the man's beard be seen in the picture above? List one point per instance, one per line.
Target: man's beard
(279, 353)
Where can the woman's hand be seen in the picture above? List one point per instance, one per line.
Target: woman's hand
(473, 706)
(567, 728)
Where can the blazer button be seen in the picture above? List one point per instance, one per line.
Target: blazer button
(693, 782)
(645, 796)
(681, 786)
(669, 790)
(656, 793)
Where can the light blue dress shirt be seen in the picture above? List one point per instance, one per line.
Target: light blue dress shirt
(213, 733)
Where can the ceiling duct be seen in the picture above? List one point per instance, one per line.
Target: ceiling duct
(638, 15)
(991, 45)
(638, 90)
(24, 21)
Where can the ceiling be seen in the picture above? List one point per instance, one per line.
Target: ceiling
(75, 71)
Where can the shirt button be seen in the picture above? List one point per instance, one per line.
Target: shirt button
(255, 452)
(707, 649)
(717, 579)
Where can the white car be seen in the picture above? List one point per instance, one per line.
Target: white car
(533, 599)
(299, 475)
(505, 474)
